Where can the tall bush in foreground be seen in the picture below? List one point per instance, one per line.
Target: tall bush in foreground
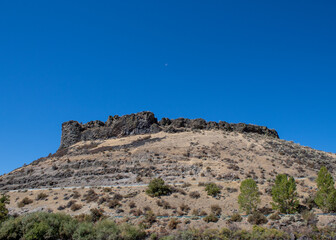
(326, 194)
(248, 198)
(284, 194)
(51, 226)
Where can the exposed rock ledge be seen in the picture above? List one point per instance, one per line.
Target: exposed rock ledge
(145, 122)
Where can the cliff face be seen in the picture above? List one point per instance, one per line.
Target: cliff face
(145, 122)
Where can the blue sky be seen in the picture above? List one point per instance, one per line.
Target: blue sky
(269, 63)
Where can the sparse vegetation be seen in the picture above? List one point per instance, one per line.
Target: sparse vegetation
(128, 202)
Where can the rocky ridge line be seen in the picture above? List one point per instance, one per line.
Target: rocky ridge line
(146, 122)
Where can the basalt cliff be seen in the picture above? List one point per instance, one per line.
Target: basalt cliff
(144, 123)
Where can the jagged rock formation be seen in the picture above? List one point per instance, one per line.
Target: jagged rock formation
(145, 122)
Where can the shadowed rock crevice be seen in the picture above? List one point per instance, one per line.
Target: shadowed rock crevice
(146, 122)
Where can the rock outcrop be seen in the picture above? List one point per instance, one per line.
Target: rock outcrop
(145, 122)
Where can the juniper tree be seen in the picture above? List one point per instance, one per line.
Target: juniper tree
(248, 198)
(326, 194)
(284, 194)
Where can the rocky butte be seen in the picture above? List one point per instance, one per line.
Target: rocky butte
(144, 123)
(107, 166)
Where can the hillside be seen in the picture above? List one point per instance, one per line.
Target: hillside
(111, 171)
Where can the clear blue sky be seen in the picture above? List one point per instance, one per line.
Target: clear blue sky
(269, 63)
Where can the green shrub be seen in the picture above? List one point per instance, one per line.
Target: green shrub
(38, 226)
(259, 232)
(11, 229)
(84, 217)
(158, 188)
(129, 232)
(85, 231)
(248, 198)
(212, 189)
(285, 197)
(38, 231)
(107, 230)
(226, 233)
(67, 228)
(50, 226)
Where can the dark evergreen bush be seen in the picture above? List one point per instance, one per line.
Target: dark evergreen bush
(158, 188)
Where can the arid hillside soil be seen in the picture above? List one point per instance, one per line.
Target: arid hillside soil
(178, 157)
